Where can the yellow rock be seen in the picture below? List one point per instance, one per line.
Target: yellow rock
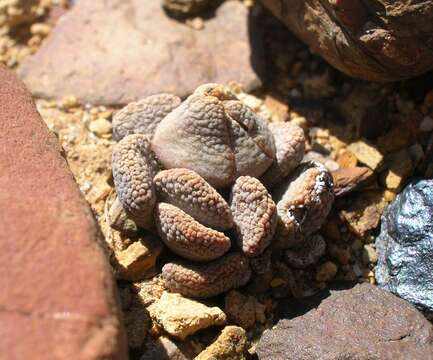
(181, 317)
(278, 282)
(400, 166)
(230, 345)
(136, 261)
(367, 154)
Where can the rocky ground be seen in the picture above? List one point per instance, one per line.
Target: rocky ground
(374, 138)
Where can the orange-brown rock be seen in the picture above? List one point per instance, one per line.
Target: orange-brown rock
(347, 180)
(57, 295)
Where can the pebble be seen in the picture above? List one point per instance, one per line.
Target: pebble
(367, 154)
(369, 255)
(231, 344)
(364, 212)
(149, 291)
(69, 102)
(40, 29)
(347, 180)
(346, 159)
(389, 195)
(240, 309)
(250, 100)
(100, 127)
(196, 23)
(326, 271)
(300, 121)
(138, 260)
(330, 164)
(399, 168)
(278, 282)
(181, 317)
(279, 109)
(426, 124)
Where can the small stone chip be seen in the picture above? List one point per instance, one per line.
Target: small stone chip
(207, 280)
(231, 344)
(367, 154)
(400, 166)
(100, 127)
(190, 192)
(138, 260)
(364, 213)
(181, 317)
(346, 159)
(134, 166)
(187, 237)
(347, 180)
(240, 309)
(254, 214)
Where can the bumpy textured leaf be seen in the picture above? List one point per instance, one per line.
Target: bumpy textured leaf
(187, 237)
(143, 116)
(134, 166)
(191, 193)
(207, 280)
(254, 214)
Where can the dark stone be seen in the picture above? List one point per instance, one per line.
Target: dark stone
(405, 246)
(363, 323)
(348, 180)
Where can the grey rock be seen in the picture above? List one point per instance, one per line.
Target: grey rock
(112, 52)
(362, 323)
(405, 246)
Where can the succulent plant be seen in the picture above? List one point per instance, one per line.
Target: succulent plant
(381, 40)
(176, 164)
